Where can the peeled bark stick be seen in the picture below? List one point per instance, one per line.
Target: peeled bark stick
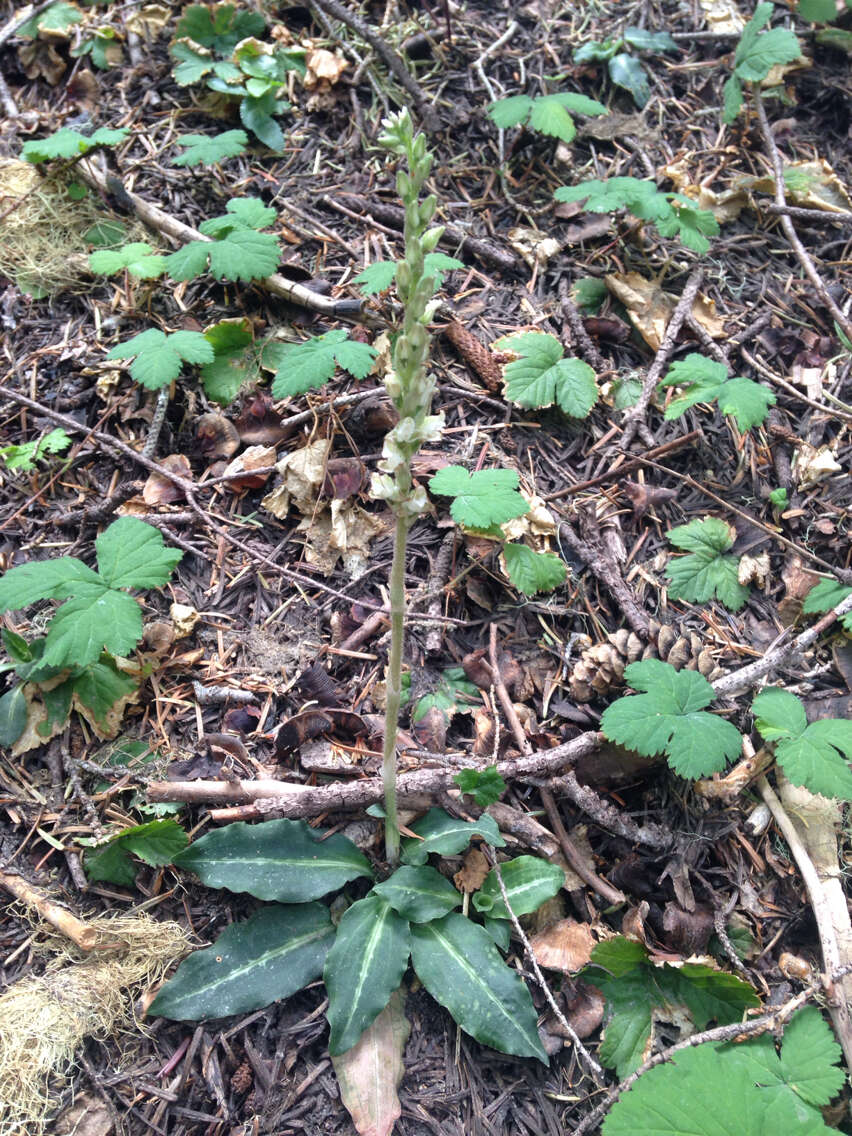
(287, 799)
(59, 917)
(163, 222)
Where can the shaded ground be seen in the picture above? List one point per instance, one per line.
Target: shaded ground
(270, 1072)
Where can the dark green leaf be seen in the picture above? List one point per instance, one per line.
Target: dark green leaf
(13, 715)
(626, 71)
(644, 40)
(446, 835)
(531, 572)
(285, 860)
(270, 956)
(363, 968)
(418, 894)
(462, 969)
(707, 572)
(529, 881)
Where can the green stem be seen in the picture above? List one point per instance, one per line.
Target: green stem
(394, 688)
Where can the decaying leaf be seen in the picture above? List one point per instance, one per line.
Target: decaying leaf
(723, 16)
(754, 570)
(474, 869)
(148, 21)
(159, 490)
(566, 946)
(648, 306)
(535, 247)
(302, 472)
(812, 465)
(254, 458)
(40, 59)
(324, 68)
(370, 1072)
(725, 205)
(184, 619)
(813, 185)
(216, 435)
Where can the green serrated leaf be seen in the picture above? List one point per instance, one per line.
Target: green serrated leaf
(692, 225)
(159, 358)
(511, 111)
(257, 114)
(640, 196)
(635, 988)
(542, 377)
(810, 755)
(531, 572)
(307, 366)
(207, 150)
(826, 595)
(707, 381)
(669, 718)
(25, 455)
(235, 363)
(779, 45)
(219, 27)
(453, 693)
(459, 965)
(99, 687)
(132, 554)
(485, 785)
(376, 277)
(597, 51)
(138, 258)
(67, 143)
(284, 860)
(732, 99)
(241, 214)
(589, 293)
(714, 1090)
(270, 956)
(439, 832)
(363, 968)
(480, 499)
(529, 882)
(156, 843)
(59, 17)
(706, 573)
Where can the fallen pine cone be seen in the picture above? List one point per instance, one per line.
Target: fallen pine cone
(601, 666)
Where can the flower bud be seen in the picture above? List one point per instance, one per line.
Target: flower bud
(429, 241)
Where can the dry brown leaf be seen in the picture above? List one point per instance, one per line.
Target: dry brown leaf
(798, 581)
(814, 185)
(535, 247)
(184, 619)
(723, 16)
(216, 435)
(159, 490)
(370, 1072)
(149, 20)
(704, 313)
(648, 306)
(302, 473)
(254, 458)
(566, 946)
(725, 205)
(811, 465)
(87, 1116)
(39, 59)
(343, 532)
(472, 873)
(324, 68)
(754, 570)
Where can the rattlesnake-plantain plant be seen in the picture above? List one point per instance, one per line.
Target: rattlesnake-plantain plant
(410, 388)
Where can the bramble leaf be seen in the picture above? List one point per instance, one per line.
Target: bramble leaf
(242, 254)
(531, 571)
(235, 363)
(542, 377)
(138, 258)
(713, 1090)
(156, 843)
(481, 499)
(640, 196)
(159, 358)
(824, 596)
(691, 224)
(707, 381)
(68, 143)
(669, 718)
(26, 454)
(209, 150)
(635, 988)
(549, 114)
(810, 755)
(241, 214)
(97, 616)
(485, 785)
(309, 365)
(706, 572)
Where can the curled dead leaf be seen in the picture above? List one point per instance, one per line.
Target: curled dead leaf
(216, 435)
(254, 464)
(160, 490)
(471, 875)
(566, 946)
(323, 68)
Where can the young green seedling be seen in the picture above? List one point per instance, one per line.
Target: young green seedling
(755, 56)
(547, 114)
(625, 70)
(705, 380)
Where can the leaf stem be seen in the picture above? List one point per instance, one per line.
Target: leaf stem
(394, 688)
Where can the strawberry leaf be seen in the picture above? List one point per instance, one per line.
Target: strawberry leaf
(812, 756)
(308, 366)
(159, 358)
(670, 718)
(376, 277)
(706, 572)
(531, 571)
(67, 143)
(707, 381)
(207, 150)
(542, 377)
(241, 213)
(640, 197)
(691, 224)
(547, 114)
(824, 596)
(481, 499)
(132, 554)
(138, 258)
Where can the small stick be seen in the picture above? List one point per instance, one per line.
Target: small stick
(59, 917)
(589, 1061)
(574, 857)
(626, 467)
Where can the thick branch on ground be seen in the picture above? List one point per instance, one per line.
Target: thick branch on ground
(634, 419)
(169, 226)
(590, 551)
(282, 798)
(57, 916)
(392, 61)
(802, 255)
(748, 676)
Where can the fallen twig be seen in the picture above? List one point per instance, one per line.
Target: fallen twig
(59, 917)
